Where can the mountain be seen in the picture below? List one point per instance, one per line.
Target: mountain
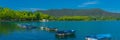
(79, 12)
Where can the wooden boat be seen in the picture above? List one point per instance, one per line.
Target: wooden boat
(43, 28)
(50, 29)
(65, 34)
(27, 26)
(99, 37)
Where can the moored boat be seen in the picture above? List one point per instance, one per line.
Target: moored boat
(50, 29)
(99, 37)
(65, 34)
(27, 26)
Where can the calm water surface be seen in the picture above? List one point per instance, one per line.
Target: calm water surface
(10, 30)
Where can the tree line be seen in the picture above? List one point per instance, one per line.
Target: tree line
(7, 14)
(88, 18)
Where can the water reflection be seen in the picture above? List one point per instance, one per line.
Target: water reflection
(65, 37)
(33, 30)
(7, 27)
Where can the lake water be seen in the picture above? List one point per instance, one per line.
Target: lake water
(10, 30)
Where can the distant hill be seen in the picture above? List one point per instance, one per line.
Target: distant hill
(79, 12)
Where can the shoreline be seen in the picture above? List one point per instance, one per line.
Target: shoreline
(59, 20)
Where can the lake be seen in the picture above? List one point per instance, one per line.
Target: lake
(10, 30)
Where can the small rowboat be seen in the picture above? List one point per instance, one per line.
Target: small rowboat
(27, 26)
(50, 29)
(65, 34)
(99, 37)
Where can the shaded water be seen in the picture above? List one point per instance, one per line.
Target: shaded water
(10, 30)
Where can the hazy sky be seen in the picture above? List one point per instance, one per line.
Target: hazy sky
(108, 5)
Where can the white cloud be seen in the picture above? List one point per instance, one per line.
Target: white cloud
(31, 9)
(88, 3)
(35, 8)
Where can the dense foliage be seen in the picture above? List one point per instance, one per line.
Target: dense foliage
(88, 18)
(7, 14)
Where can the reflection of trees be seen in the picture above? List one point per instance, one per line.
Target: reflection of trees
(7, 27)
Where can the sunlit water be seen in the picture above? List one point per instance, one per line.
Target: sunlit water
(10, 30)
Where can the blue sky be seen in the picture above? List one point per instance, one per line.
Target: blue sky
(108, 5)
